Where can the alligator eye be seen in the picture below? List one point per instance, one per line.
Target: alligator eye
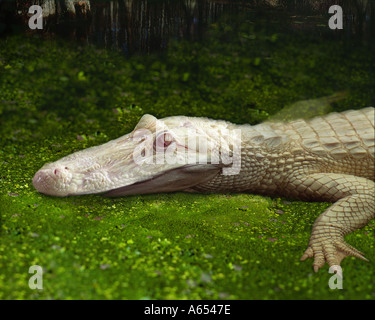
(163, 140)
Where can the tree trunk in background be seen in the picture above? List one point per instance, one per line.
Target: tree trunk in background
(52, 7)
(145, 25)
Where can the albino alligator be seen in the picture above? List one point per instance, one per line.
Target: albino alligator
(328, 158)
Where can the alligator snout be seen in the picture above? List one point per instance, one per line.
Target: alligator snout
(49, 181)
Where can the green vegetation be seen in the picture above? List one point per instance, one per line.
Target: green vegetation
(57, 98)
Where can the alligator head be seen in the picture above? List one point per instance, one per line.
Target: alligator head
(170, 154)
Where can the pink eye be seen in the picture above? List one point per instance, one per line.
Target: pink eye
(163, 140)
(56, 172)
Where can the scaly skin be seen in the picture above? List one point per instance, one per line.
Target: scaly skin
(328, 158)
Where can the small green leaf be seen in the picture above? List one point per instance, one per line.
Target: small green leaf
(81, 76)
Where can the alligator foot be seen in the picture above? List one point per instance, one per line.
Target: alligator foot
(330, 250)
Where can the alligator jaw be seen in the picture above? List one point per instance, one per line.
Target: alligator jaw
(177, 179)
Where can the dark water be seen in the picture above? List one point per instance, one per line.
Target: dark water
(141, 26)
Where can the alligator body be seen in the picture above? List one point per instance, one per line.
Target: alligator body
(328, 158)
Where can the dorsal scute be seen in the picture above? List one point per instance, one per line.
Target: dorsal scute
(342, 135)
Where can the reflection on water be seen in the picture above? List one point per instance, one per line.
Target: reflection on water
(144, 26)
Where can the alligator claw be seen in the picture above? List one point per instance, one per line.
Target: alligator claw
(329, 250)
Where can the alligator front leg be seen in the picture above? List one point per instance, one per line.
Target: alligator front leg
(354, 206)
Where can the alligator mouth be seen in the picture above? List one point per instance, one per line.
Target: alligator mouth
(177, 179)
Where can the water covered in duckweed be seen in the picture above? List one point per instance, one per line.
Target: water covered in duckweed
(65, 91)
